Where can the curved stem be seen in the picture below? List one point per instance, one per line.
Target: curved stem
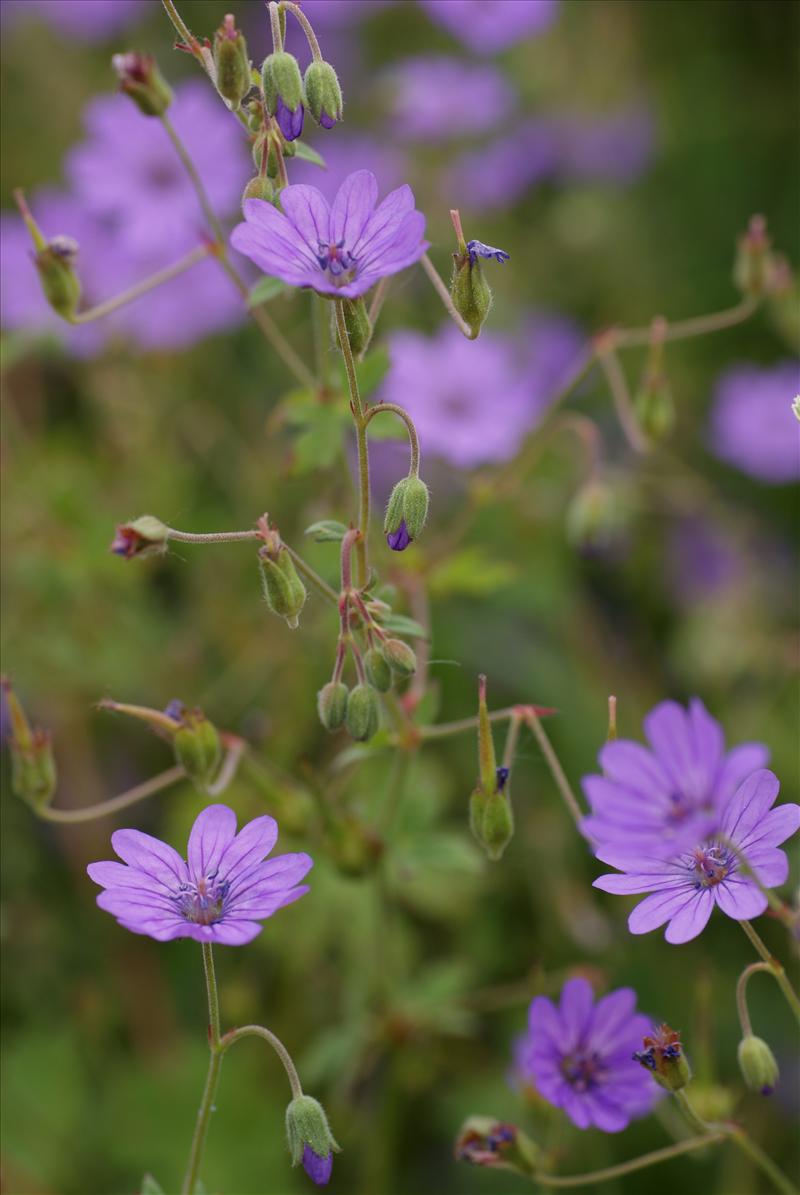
(235, 1035)
(413, 438)
(275, 27)
(609, 363)
(554, 764)
(305, 24)
(183, 30)
(641, 1163)
(444, 295)
(212, 1077)
(741, 994)
(142, 288)
(775, 966)
(685, 329)
(442, 730)
(357, 408)
(138, 793)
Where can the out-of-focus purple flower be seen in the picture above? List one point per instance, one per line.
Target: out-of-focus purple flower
(701, 561)
(477, 249)
(346, 153)
(450, 386)
(489, 28)
(399, 540)
(318, 1169)
(684, 889)
(500, 173)
(437, 98)
(220, 895)
(127, 170)
(87, 20)
(662, 800)
(616, 147)
(341, 249)
(752, 423)
(578, 1056)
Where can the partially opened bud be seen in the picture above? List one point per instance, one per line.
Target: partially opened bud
(33, 769)
(310, 1138)
(406, 512)
(332, 704)
(140, 78)
(362, 717)
(323, 94)
(197, 747)
(283, 92)
(145, 536)
(231, 61)
(485, 1141)
(379, 674)
(757, 1064)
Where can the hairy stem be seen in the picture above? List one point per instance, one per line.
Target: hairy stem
(142, 288)
(741, 994)
(357, 408)
(444, 295)
(275, 27)
(235, 1035)
(413, 438)
(212, 1077)
(147, 788)
(775, 966)
(211, 537)
(305, 24)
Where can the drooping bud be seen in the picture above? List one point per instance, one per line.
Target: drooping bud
(33, 769)
(663, 1055)
(197, 746)
(284, 592)
(323, 94)
(145, 536)
(362, 716)
(259, 187)
(379, 674)
(592, 518)
(484, 1141)
(359, 328)
(332, 704)
(757, 1064)
(310, 1138)
(400, 657)
(754, 259)
(55, 261)
(406, 512)
(653, 402)
(231, 61)
(140, 78)
(283, 92)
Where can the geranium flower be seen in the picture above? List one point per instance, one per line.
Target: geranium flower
(341, 249)
(752, 425)
(662, 800)
(219, 896)
(579, 1056)
(685, 889)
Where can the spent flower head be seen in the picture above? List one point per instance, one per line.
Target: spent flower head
(220, 895)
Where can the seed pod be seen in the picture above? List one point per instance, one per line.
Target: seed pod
(362, 715)
(470, 292)
(379, 674)
(33, 768)
(332, 704)
(323, 94)
(400, 657)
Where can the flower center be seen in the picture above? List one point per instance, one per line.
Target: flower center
(583, 1070)
(336, 261)
(712, 864)
(203, 901)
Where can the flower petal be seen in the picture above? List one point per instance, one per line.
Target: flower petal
(575, 1009)
(611, 1015)
(654, 910)
(739, 898)
(772, 829)
(235, 931)
(248, 848)
(150, 855)
(383, 221)
(737, 766)
(307, 209)
(354, 204)
(543, 1020)
(270, 240)
(212, 833)
(692, 918)
(631, 883)
(749, 804)
(265, 879)
(632, 765)
(118, 875)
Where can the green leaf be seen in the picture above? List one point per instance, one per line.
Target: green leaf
(372, 370)
(470, 571)
(150, 1186)
(401, 625)
(308, 154)
(319, 443)
(265, 289)
(326, 531)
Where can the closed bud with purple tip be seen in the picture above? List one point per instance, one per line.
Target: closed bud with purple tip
(757, 1064)
(145, 536)
(310, 1139)
(406, 512)
(140, 78)
(323, 94)
(283, 92)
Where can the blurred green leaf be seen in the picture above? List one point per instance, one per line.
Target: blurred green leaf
(326, 531)
(470, 571)
(265, 289)
(151, 1187)
(308, 154)
(402, 625)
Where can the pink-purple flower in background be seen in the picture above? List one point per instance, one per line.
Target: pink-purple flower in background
(436, 98)
(86, 20)
(579, 1056)
(489, 28)
(348, 152)
(341, 249)
(752, 423)
(660, 800)
(220, 895)
(684, 890)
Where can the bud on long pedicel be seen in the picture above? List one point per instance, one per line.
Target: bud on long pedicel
(231, 62)
(197, 747)
(33, 769)
(310, 1138)
(55, 261)
(406, 512)
(145, 536)
(362, 716)
(283, 92)
(140, 78)
(332, 704)
(757, 1064)
(323, 94)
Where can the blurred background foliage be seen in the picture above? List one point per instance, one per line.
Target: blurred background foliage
(398, 990)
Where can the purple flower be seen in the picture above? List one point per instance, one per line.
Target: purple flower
(439, 98)
(477, 249)
(341, 249)
(448, 385)
(399, 540)
(701, 561)
(685, 888)
(87, 20)
(612, 147)
(661, 800)
(497, 175)
(752, 424)
(578, 1056)
(488, 28)
(318, 1169)
(219, 896)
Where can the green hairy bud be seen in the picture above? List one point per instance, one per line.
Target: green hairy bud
(379, 674)
(470, 292)
(362, 716)
(140, 78)
(231, 62)
(197, 747)
(55, 261)
(359, 329)
(332, 704)
(399, 656)
(757, 1064)
(323, 94)
(408, 500)
(259, 187)
(284, 592)
(281, 77)
(307, 1125)
(33, 768)
(496, 825)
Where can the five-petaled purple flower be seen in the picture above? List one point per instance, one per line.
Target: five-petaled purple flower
(578, 1056)
(685, 889)
(220, 896)
(661, 801)
(342, 249)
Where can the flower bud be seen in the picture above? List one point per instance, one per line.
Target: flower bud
(33, 769)
(283, 92)
(484, 1141)
(663, 1055)
(496, 826)
(231, 62)
(757, 1064)
(323, 94)
(470, 292)
(332, 704)
(310, 1139)
(55, 261)
(145, 536)
(406, 512)
(259, 187)
(754, 259)
(362, 716)
(140, 78)
(359, 328)
(197, 747)
(379, 674)
(399, 656)
(285, 593)
(591, 516)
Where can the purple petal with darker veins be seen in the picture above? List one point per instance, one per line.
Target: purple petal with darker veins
(318, 1169)
(655, 910)
(308, 211)
(399, 540)
(749, 804)
(212, 833)
(691, 919)
(739, 898)
(155, 858)
(248, 848)
(778, 825)
(737, 766)
(352, 208)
